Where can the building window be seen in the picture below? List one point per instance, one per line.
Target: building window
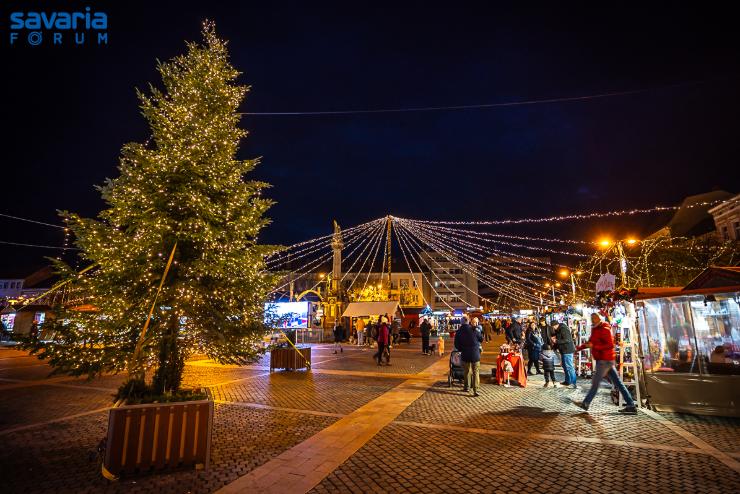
(737, 230)
(725, 236)
(8, 320)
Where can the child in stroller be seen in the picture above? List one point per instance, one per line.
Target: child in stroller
(457, 373)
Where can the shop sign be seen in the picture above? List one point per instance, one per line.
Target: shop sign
(606, 283)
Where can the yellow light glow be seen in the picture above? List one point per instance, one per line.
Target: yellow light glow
(321, 275)
(604, 243)
(564, 272)
(579, 273)
(547, 285)
(631, 241)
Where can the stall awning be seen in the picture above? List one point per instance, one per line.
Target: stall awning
(359, 309)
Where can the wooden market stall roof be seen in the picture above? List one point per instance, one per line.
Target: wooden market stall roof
(359, 309)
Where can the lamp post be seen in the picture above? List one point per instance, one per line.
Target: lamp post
(565, 273)
(619, 245)
(552, 286)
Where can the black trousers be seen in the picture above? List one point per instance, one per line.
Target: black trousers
(382, 349)
(550, 375)
(534, 359)
(425, 344)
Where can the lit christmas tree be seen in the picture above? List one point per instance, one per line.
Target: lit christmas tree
(184, 191)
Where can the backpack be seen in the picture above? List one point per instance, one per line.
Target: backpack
(374, 331)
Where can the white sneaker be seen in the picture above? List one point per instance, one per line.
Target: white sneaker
(555, 385)
(507, 385)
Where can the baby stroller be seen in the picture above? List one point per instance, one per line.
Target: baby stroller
(457, 373)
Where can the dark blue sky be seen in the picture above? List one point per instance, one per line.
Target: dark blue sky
(71, 108)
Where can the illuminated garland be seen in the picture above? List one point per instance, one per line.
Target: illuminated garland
(376, 238)
(502, 253)
(402, 242)
(522, 296)
(587, 216)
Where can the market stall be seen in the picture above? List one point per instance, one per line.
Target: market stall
(690, 343)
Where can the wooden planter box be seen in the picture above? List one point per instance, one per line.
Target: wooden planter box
(158, 436)
(290, 359)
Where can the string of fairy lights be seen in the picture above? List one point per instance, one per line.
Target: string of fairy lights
(516, 267)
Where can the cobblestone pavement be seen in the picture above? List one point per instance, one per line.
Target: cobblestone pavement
(507, 440)
(307, 391)
(24, 406)
(535, 409)
(61, 457)
(415, 460)
(721, 432)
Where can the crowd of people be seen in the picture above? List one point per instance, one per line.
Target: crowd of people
(544, 344)
(541, 342)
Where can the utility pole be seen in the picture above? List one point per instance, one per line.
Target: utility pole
(389, 222)
(337, 245)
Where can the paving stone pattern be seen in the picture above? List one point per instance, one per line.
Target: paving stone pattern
(32, 404)
(61, 458)
(307, 391)
(405, 459)
(536, 410)
(402, 362)
(721, 432)
(209, 375)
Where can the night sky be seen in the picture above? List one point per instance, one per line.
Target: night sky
(68, 111)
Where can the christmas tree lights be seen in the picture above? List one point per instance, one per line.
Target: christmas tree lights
(185, 187)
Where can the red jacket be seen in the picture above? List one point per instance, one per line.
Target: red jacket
(383, 338)
(602, 343)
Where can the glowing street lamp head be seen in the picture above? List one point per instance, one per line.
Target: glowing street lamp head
(322, 275)
(564, 272)
(604, 243)
(579, 273)
(547, 285)
(557, 284)
(632, 241)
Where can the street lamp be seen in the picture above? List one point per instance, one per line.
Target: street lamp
(565, 273)
(619, 244)
(552, 287)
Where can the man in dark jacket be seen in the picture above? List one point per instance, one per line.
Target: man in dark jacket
(566, 347)
(507, 331)
(546, 331)
(467, 341)
(425, 330)
(516, 331)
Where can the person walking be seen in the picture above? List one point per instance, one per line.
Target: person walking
(601, 344)
(487, 330)
(467, 342)
(566, 347)
(547, 357)
(497, 326)
(516, 331)
(507, 331)
(383, 342)
(338, 336)
(426, 330)
(395, 330)
(360, 327)
(533, 343)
